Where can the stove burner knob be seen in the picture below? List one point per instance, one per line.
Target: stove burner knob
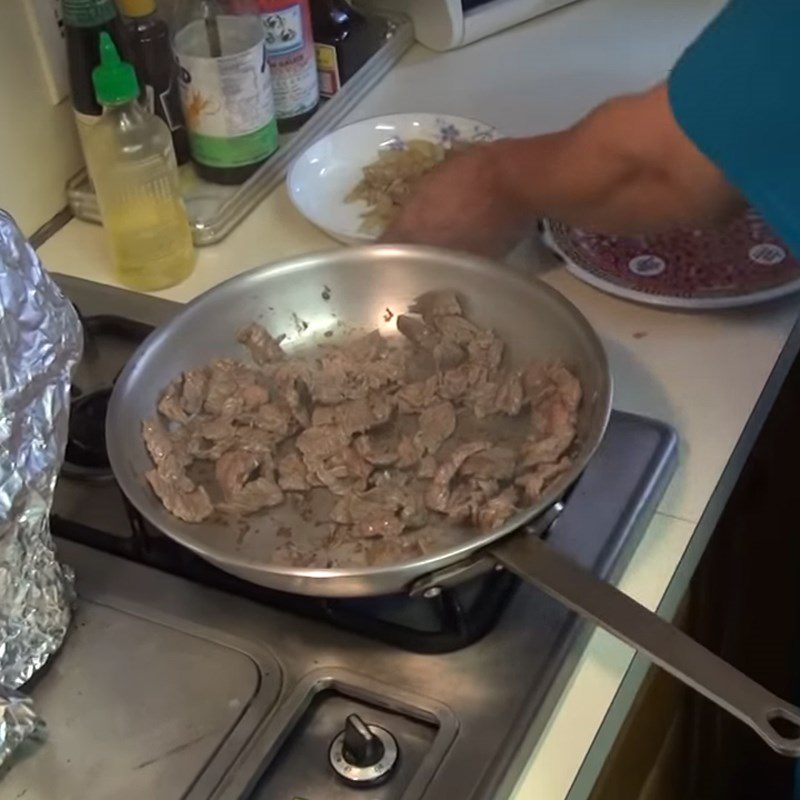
(361, 747)
(363, 755)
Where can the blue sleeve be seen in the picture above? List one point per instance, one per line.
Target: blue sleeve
(735, 92)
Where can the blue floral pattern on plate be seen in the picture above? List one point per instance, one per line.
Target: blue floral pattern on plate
(447, 134)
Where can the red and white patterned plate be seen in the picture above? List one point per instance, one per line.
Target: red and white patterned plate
(739, 264)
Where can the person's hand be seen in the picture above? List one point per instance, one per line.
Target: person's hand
(462, 205)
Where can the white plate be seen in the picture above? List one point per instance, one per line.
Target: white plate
(322, 176)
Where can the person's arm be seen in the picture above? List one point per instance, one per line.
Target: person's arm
(625, 168)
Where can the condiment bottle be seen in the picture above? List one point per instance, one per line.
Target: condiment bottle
(83, 22)
(132, 165)
(292, 62)
(226, 92)
(343, 40)
(151, 50)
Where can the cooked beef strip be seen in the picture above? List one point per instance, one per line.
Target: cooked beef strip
(409, 451)
(380, 451)
(486, 349)
(464, 501)
(418, 332)
(366, 517)
(437, 303)
(456, 383)
(535, 452)
(497, 509)
(503, 396)
(343, 472)
(414, 397)
(356, 416)
(169, 405)
(233, 469)
(228, 381)
(387, 371)
(193, 391)
(436, 424)
(254, 493)
(401, 498)
(555, 395)
(446, 352)
(438, 494)
(264, 349)
(321, 442)
(427, 467)
(292, 473)
(297, 397)
(273, 418)
(456, 329)
(169, 480)
(367, 348)
(255, 440)
(366, 421)
(182, 499)
(209, 438)
(158, 441)
(498, 463)
(510, 396)
(482, 398)
(534, 482)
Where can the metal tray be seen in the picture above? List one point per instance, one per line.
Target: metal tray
(214, 210)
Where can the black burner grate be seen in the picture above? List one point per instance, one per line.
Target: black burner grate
(447, 621)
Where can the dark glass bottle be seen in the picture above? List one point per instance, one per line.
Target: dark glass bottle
(84, 20)
(344, 40)
(149, 40)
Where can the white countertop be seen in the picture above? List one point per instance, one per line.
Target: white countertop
(702, 373)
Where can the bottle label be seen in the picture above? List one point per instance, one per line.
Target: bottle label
(291, 58)
(328, 69)
(227, 104)
(87, 13)
(283, 29)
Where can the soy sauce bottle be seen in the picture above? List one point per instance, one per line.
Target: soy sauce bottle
(84, 21)
(149, 40)
(344, 39)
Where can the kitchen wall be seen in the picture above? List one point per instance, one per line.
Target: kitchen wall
(39, 147)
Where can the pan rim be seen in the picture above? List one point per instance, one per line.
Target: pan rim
(412, 568)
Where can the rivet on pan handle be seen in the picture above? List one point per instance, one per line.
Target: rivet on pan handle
(480, 563)
(775, 721)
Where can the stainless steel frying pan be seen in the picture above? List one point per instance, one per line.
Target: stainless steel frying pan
(365, 288)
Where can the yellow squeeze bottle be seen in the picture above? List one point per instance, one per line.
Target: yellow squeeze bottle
(132, 164)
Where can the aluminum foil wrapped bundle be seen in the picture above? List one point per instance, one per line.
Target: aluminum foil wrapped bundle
(40, 342)
(18, 721)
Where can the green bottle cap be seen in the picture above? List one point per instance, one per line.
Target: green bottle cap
(114, 79)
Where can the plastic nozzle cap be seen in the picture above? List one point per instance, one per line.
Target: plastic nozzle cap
(114, 79)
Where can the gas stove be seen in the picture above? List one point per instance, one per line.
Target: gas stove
(179, 680)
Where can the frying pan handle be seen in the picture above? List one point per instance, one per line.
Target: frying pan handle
(776, 722)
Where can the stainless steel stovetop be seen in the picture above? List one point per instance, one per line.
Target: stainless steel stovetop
(170, 688)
